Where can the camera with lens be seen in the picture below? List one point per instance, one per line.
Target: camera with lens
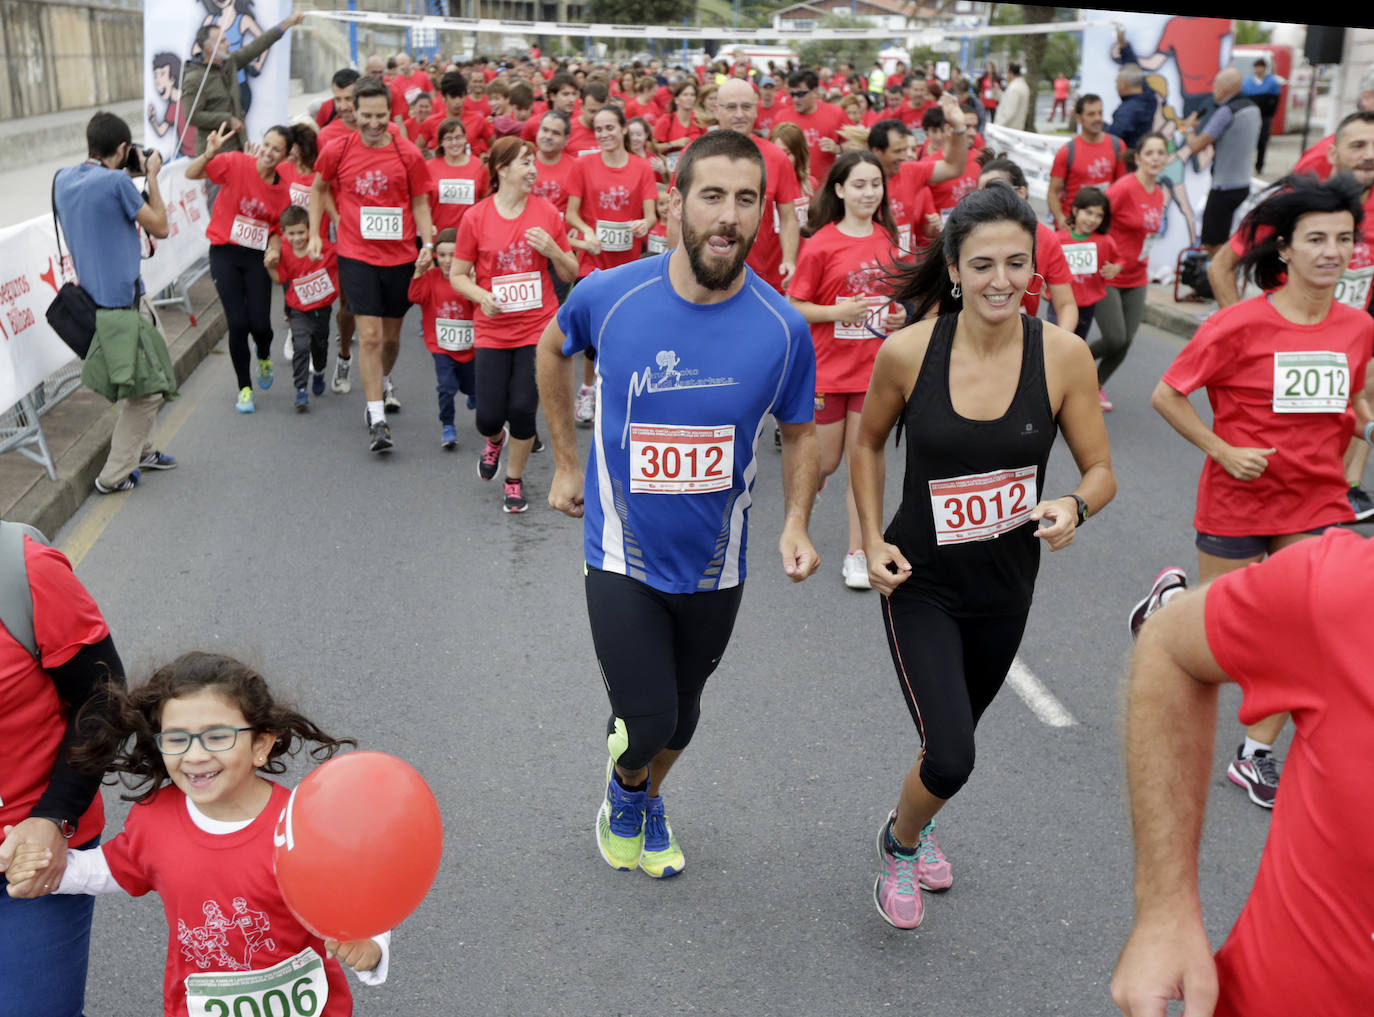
(136, 160)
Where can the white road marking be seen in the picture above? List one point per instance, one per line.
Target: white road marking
(1040, 699)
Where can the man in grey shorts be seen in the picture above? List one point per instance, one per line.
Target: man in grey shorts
(1233, 129)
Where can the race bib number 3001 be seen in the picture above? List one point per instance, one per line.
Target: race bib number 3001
(380, 223)
(1082, 258)
(982, 506)
(860, 329)
(670, 459)
(1315, 382)
(523, 291)
(297, 987)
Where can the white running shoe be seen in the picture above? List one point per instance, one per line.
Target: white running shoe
(341, 383)
(856, 571)
(586, 405)
(288, 349)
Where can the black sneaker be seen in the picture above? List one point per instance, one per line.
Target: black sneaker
(381, 436)
(127, 484)
(491, 456)
(156, 460)
(1361, 502)
(1169, 579)
(515, 496)
(538, 445)
(777, 437)
(1257, 774)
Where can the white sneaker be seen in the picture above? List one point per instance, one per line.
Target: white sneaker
(341, 382)
(586, 405)
(856, 571)
(389, 399)
(288, 350)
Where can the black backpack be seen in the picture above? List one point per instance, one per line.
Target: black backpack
(1118, 149)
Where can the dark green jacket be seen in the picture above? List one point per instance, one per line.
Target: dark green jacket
(220, 98)
(128, 357)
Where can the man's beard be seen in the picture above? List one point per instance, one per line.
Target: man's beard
(722, 275)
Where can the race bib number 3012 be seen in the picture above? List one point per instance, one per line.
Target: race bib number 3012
(671, 459)
(297, 987)
(1311, 382)
(982, 506)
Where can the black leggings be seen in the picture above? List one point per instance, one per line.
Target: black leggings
(1085, 321)
(506, 391)
(656, 651)
(245, 291)
(949, 670)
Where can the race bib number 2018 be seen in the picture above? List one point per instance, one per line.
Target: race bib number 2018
(614, 236)
(453, 335)
(1311, 382)
(297, 987)
(982, 506)
(671, 459)
(380, 223)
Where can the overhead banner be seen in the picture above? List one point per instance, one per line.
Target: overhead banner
(169, 35)
(31, 351)
(1179, 57)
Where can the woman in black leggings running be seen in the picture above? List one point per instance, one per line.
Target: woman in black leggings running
(982, 390)
(242, 225)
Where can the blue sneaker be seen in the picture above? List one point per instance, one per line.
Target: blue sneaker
(472, 402)
(317, 382)
(156, 460)
(302, 400)
(245, 401)
(620, 824)
(265, 375)
(127, 484)
(450, 437)
(662, 855)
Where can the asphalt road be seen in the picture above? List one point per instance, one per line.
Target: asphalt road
(396, 603)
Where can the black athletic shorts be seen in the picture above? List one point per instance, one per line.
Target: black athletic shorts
(378, 291)
(1221, 209)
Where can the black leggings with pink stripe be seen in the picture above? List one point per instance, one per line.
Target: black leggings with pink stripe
(949, 670)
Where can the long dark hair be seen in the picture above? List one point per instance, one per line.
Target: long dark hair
(926, 284)
(302, 138)
(1092, 197)
(828, 207)
(1271, 223)
(121, 740)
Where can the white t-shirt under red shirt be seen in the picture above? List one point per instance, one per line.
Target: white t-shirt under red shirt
(372, 190)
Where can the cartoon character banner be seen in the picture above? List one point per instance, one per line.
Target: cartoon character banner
(1179, 57)
(169, 42)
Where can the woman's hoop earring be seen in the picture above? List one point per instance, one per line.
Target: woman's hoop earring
(1041, 290)
(956, 293)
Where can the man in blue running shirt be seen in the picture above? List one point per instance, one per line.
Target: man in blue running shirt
(694, 352)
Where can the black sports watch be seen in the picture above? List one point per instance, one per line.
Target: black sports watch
(65, 825)
(1083, 510)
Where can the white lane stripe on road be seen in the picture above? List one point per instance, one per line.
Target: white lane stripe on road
(1040, 699)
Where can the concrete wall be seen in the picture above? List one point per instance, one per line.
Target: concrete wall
(59, 56)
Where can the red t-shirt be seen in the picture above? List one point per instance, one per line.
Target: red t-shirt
(219, 892)
(1293, 633)
(1136, 218)
(911, 115)
(1244, 356)
(767, 117)
(247, 208)
(1315, 159)
(581, 141)
(409, 87)
(657, 240)
(612, 196)
(948, 193)
(824, 122)
(383, 178)
(1050, 264)
(478, 129)
(476, 105)
(1196, 45)
(669, 128)
(910, 198)
(456, 189)
(310, 285)
(506, 265)
(33, 721)
(834, 267)
(442, 305)
(554, 181)
(1085, 258)
(781, 189)
(336, 129)
(1094, 165)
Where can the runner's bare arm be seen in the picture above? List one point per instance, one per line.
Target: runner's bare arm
(801, 475)
(1240, 462)
(152, 215)
(554, 373)
(319, 196)
(956, 149)
(1065, 307)
(573, 218)
(789, 237)
(641, 227)
(1170, 720)
(1221, 273)
(845, 310)
(424, 224)
(460, 278)
(1054, 197)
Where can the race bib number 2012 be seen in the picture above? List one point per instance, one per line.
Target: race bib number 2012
(982, 506)
(673, 459)
(1311, 382)
(297, 987)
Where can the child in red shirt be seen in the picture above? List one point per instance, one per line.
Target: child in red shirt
(1090, 252)
(311, 288)
(446, 320)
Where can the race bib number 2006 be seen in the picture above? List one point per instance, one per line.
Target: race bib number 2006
(672, 459)
(297, 987)
(982, 506)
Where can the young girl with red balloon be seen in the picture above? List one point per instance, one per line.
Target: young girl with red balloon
(204, 730)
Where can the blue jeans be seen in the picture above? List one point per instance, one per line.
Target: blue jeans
(44, 949)
(452, 378)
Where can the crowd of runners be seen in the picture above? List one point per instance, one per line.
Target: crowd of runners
(685, 262)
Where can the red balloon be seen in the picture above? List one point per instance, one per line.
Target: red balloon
(358, 846)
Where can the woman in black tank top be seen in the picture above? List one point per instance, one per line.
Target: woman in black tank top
(981, 392)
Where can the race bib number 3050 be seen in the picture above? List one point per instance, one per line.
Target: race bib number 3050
(378, 223)
(982, 506)
(297, 987)
(1082, 258)
(1311, 382)
(671, 459)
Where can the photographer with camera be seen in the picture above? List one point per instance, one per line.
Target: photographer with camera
(100, 211)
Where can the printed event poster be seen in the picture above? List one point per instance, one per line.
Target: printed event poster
(1179, 57)
(169, 34)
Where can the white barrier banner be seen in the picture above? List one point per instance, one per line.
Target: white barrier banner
(31, 277)
(169, 34)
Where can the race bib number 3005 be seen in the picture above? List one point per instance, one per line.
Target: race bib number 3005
(314, 287)
(251, 233)
(982, 506)
(297, 987)
(1311, 382)
(671, 459)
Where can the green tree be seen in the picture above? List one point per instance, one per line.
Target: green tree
(640, 12)
(1250, 32)
(827, 52)
(1035, 47)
